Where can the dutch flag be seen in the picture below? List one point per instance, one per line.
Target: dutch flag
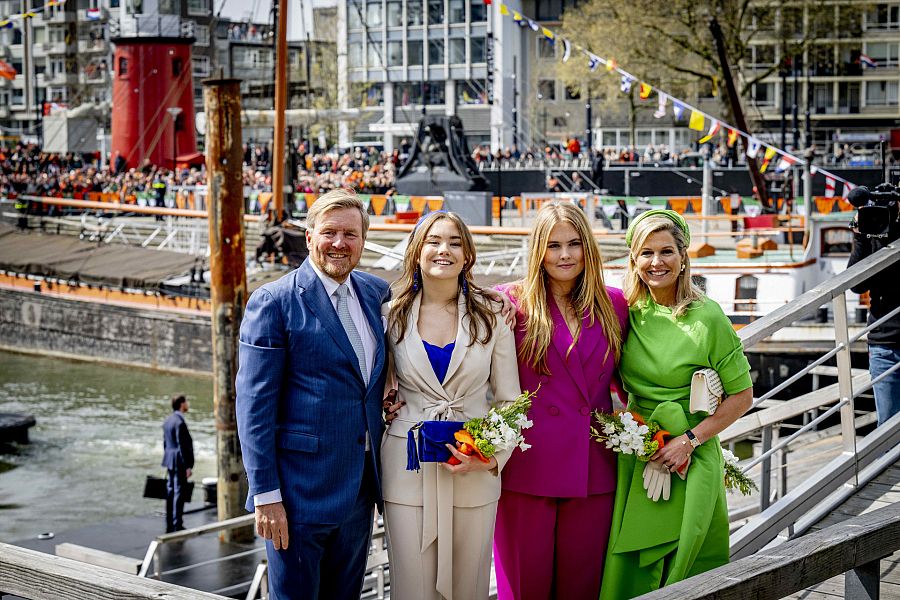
(867, 61)
(93, 14)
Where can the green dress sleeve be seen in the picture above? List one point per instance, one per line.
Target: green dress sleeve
(726, 352)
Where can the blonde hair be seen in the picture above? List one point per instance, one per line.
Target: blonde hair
(336, 200)
(589, 296)
(636, 291)
(480, 308)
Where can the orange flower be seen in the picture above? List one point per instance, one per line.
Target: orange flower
(638, 418)
(465, 443)
(659, 438)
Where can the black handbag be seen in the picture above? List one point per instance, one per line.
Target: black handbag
(430, 445)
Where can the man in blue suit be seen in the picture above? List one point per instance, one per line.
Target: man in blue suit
(178, 458)
(309, 398)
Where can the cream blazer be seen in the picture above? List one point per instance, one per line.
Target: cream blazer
(473, 371)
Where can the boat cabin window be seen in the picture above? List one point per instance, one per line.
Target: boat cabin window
(745, 293)
(699, 281)
(837, 241)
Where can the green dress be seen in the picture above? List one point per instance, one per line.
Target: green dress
(653, 544)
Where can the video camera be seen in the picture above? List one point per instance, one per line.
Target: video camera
(875, 209)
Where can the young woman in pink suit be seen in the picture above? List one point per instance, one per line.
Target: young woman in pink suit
(554, 512)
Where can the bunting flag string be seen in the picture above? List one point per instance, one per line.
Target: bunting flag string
(7, 22)
(698, 118)
(829, 187)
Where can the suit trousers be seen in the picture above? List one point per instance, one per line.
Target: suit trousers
(551, 547)
(175, 497)
(414, 570)
(326, 561)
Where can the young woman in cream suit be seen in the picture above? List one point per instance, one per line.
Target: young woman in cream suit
(452, 353)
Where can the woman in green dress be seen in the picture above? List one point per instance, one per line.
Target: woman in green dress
(674, 331)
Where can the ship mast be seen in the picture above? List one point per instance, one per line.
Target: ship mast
(278, 145)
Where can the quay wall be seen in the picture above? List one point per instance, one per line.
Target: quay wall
(41, 323)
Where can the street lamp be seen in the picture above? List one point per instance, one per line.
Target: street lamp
(174, 111)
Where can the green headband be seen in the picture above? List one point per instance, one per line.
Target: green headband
(659, 212)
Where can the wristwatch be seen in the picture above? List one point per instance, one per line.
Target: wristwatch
(692, 439)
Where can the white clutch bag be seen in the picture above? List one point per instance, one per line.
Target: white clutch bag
(706, 391)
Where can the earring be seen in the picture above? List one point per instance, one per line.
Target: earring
(416, 280)
(464, 283)
(682, 266)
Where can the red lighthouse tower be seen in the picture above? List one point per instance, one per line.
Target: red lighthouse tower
(153, 97)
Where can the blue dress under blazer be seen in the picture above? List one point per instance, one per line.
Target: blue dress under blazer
(304, 414)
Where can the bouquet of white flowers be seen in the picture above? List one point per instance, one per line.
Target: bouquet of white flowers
(500, 429)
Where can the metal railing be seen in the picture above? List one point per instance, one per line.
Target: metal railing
(780, 508)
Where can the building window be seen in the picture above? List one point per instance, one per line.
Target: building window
(545, 49)
(17, 37)
(573, 93)
(478, 11)
(435, 12)
(764, 94)
(123, 67)
(546, 89)
(471, 92)
(168, 7)
(201, 33)
(414, 15)
(848, 98)
(373, 55)
(406, 94)
(354, 20)
(477, 49)
(373, 14)
(883, 16)
(414, 52)
(457, 11)
(745, 293)
(394, 13)
(373, 95)
(699, 281)
(198, 7)
(458, 51)
(395, 54)
(354, 55)
(201, 66)
(881, 93)
(884, 53)
(435, 93)
(823, 98)
(176, 66)
(435, 52)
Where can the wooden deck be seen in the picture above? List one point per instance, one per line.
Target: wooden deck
(880, 492)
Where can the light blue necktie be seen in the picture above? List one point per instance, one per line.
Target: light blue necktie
(343, 311)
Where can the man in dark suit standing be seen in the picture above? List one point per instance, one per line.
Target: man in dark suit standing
(309, 408)
(178, 458)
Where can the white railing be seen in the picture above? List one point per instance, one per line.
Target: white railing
(781, 508)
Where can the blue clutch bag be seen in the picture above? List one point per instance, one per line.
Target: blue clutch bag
(430, 443)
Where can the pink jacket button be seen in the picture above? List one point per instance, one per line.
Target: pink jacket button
(585, 410)
(553, 411)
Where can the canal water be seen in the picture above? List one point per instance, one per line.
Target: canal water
(98, 435)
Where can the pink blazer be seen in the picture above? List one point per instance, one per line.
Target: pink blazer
(563, 461)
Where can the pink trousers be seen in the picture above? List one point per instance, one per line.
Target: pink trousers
(551, 548)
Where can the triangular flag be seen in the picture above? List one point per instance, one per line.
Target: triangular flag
(661, 111)
(534, 25)
(6, 24)
(567, 50)
(518, 18)
(785, 163)
(829, 187)
(753, 146)
(29, 14)
(732, 137)
(503, 10)
(611, 64)
(678, 110)
(713, 130)
(626, 83)
(813, 169)
(645, 90)
(767, 158)
(848, 187)
(488, 2)
(548, 34)
(593, 61)
(697, 120)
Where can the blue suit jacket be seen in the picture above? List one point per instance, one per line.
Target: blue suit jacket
(302, 407)
(178, 448)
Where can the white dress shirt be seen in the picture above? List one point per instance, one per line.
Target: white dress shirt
(368, 341)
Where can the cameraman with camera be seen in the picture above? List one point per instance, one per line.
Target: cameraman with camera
(877, 224)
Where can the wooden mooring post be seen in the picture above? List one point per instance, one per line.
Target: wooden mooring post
(228, 285)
